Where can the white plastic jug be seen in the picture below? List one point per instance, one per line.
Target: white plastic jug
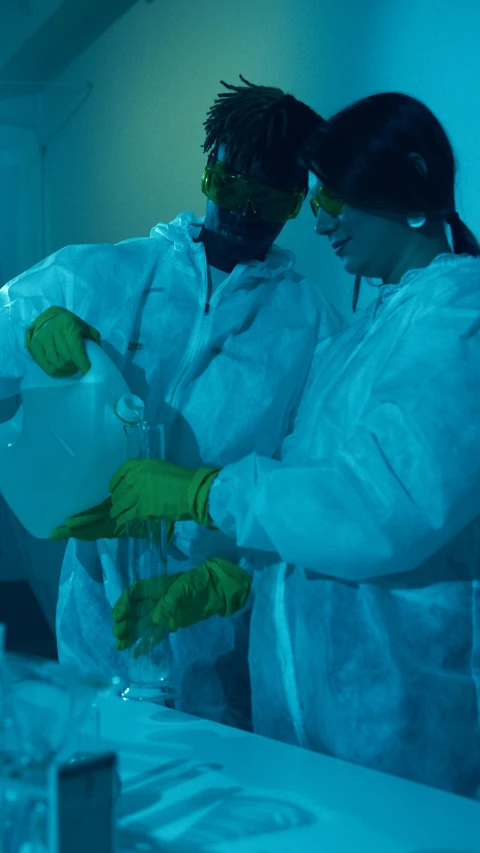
(68, 438)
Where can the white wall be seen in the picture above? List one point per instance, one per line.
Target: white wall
(131, 156)
(21, 242)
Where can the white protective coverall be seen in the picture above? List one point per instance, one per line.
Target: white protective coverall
(225, 382)
(365, 643)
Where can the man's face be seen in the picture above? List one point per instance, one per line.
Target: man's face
(240, 234)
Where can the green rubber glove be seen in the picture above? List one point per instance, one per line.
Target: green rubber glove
(154, 606)
(55, 342)
(97, 523)
(150, 488)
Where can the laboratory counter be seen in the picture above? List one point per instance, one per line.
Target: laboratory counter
(193, 786)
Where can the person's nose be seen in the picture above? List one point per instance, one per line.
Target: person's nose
(325, 224)
(246, 212)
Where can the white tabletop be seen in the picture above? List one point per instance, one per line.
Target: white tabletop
(194, 786)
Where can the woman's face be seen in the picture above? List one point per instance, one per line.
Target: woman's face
(367, 244)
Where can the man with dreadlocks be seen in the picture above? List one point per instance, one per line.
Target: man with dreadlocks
(215, 331)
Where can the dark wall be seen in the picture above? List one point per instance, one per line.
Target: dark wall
(27, 629)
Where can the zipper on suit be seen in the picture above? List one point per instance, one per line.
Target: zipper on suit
(194, 343)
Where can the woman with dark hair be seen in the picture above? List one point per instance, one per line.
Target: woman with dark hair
(365, 641)
(370, 163)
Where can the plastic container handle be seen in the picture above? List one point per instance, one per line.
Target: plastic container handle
(95, 355)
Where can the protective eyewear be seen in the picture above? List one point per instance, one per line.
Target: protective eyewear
(232, 191)
(328, 201)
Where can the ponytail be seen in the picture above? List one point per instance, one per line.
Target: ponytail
(464, 241)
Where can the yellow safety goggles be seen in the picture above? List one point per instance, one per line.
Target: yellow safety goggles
(328, 201)
(232, 191)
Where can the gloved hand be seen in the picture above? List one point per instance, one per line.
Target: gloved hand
(97, 523)
(151, 488)
(154, 606)
(55, 342)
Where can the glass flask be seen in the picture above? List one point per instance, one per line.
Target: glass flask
(149, 675)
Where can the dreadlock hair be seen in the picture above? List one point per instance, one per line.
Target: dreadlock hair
(364, 154)
(259, 121)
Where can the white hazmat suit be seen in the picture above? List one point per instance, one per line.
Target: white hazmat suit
(365, 643)
(220, 359)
